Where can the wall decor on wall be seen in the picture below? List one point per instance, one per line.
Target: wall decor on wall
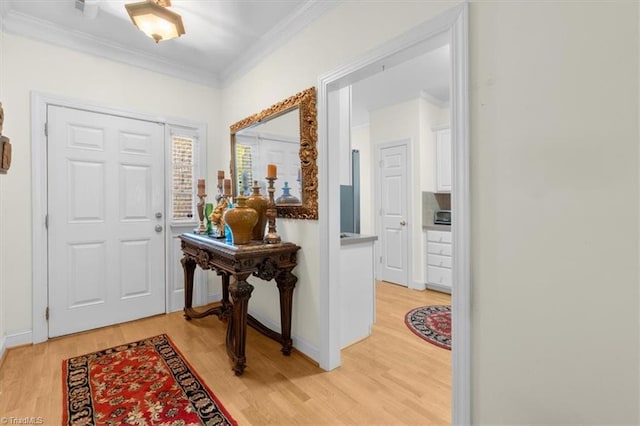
(5, 146)
(284, 135)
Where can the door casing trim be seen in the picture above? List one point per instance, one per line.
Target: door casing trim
(454, 20)
(39, 184)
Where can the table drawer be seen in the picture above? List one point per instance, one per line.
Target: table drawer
(437, 248)
(436, 275)
(439, 236)
(437, 260)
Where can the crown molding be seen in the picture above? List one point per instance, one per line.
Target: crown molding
(433, 100)
(275, 38)
(14, 22)
(17, 23)
(5, 6)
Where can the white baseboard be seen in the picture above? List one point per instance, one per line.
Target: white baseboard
(438, 287)
(306, 348)
(214, 297)
(418, 285)
(2, 348)
(299, 343)
(18, 339)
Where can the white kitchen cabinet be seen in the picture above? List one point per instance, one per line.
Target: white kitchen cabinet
(439, 260)
(443, 159)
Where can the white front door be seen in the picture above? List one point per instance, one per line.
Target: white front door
(106, 219)
(393, 212)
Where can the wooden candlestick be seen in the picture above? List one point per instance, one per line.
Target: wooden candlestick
(227, 187)
(271, 237)
(202, 229)
(220, 183)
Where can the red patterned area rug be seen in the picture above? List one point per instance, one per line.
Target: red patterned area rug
(432, 323)
(140, 383)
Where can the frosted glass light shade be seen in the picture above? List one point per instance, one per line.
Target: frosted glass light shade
(155, 21)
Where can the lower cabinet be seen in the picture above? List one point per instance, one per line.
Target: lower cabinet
(357, 292)
(439, 261)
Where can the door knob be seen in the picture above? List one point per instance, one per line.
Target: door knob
(158, 228)
(403, 223)
(159, 215)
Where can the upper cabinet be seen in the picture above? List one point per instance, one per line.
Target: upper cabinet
(442, 138)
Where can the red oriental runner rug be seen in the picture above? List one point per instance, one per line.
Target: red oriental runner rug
(140, 383)
(432, 323)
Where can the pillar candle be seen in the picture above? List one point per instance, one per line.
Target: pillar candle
(201, 187)
(272, 171)
(220, 178)
(227, 187)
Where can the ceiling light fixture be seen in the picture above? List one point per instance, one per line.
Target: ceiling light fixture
(154, 19)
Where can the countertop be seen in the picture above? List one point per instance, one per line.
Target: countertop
(434, 227)
(351, 238)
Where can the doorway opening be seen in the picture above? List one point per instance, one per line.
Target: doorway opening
(167, 226)
(453, 26)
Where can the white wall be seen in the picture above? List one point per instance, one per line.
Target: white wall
(554, 139)
(3, 206)
(555, 285)
(326, 44)
(554, 148)
(397, 123)
(412, 120)
(34, 66)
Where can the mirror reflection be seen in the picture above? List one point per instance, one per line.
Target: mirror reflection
(275, 141)
(284, 137)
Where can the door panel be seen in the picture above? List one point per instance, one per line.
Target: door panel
(106, 182)
(393, 202)
(86, 274)
(134, 272)
(86, 203)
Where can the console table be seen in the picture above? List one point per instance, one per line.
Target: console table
(266, 261)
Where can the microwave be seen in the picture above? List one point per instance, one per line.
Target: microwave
(442, 217)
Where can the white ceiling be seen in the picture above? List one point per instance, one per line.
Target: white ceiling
(424, 76)
(223, 37)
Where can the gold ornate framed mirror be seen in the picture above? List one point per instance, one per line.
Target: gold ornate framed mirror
(286, 135)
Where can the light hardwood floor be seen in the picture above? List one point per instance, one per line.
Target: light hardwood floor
(392, 377)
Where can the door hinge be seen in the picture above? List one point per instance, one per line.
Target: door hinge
(46, 129)
(380, 262)
(46, 221)
(46, 313)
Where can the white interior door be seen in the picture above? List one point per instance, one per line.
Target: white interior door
(393, 213)
(106, 219)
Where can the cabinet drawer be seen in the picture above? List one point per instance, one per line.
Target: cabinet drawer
(439, 236)
(437, 248)
(437, 260)
(440, 276)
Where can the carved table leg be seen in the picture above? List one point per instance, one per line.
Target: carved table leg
(226, 303)
(286, 283)
(240, 291)
(188, 266)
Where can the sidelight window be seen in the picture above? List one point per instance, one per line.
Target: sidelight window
(184, 150)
